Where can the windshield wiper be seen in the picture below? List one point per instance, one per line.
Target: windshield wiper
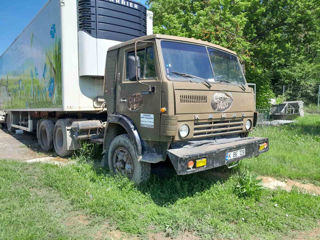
(241, 85)
(203, 80)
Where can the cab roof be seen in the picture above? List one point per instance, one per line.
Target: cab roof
(172, 38)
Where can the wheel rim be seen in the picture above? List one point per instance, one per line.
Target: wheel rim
(122, 162)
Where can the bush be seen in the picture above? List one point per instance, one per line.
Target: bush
(247, 186)
(88, 152)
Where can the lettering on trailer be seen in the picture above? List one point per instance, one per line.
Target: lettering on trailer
(125, 3)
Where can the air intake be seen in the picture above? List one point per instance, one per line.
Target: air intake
(193, 99)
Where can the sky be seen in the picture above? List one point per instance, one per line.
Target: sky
(15, 15)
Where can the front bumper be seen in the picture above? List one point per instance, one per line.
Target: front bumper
(216, 154)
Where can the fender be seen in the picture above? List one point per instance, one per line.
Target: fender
(130, 128)
(145, 152)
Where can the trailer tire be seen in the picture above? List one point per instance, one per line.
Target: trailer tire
(123, 160)
(9, 119)
(45, 135)
(60, 138)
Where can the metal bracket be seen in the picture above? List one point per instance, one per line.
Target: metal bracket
(233, 165)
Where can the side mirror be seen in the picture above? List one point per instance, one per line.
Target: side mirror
(134, 69)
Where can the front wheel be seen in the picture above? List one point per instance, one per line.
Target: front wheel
(123, 160)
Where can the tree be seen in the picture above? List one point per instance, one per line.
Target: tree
(276, 39)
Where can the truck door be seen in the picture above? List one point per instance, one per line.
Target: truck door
(140, 100)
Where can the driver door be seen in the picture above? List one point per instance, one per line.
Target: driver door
(140, 100)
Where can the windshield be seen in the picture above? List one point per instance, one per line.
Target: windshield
(189, 62)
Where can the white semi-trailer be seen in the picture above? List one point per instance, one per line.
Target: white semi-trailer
(55, 68)
(57, 64)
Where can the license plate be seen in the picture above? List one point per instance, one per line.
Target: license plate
(235, 154)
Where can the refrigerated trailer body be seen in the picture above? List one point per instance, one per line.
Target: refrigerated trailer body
(89, 70)
(58, 62)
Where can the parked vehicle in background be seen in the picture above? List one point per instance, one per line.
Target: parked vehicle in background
(154, 98)
(2, 117)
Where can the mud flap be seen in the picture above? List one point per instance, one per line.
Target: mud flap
(216, 154)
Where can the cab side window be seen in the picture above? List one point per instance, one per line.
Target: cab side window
(145, 63)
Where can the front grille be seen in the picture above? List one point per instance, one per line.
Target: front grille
(193, 99)
(217, 127)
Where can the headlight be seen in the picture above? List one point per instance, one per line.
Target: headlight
(184, 131)
(248, 125)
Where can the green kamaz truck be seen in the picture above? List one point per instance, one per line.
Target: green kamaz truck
(85, 70)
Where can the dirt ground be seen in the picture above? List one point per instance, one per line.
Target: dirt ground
(24, 147)
(19, 147)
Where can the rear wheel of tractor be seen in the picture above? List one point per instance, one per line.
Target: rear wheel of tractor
(9, 121)
(123, 160)
(45, 135)
(60, 138)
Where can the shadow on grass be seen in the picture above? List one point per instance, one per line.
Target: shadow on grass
(165, 187)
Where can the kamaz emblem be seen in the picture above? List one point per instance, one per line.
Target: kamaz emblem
(221, 101)
(125, 3)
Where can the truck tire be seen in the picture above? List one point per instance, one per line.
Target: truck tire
(123, 160)
(9, 119)
(45, 135)
(60, 138)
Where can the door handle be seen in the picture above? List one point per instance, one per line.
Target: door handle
(151, 90)
(123, 100)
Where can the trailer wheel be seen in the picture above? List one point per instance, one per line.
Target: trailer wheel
(9, 120)
(60, 138)
(123, 160)
(45, 135)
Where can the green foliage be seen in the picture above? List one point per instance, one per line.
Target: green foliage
(312, 108)
(294, 150)
(247, 186)
(280, 99)
(278, 40)
(88, 152)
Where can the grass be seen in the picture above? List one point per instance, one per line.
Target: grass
(39, 199)
(294, 151)
(24, 214)
(312, 108)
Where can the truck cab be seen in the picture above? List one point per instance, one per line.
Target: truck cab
(180, 99)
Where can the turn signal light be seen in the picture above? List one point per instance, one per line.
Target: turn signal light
(263, 146)
(190, 164)
(163, 110)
